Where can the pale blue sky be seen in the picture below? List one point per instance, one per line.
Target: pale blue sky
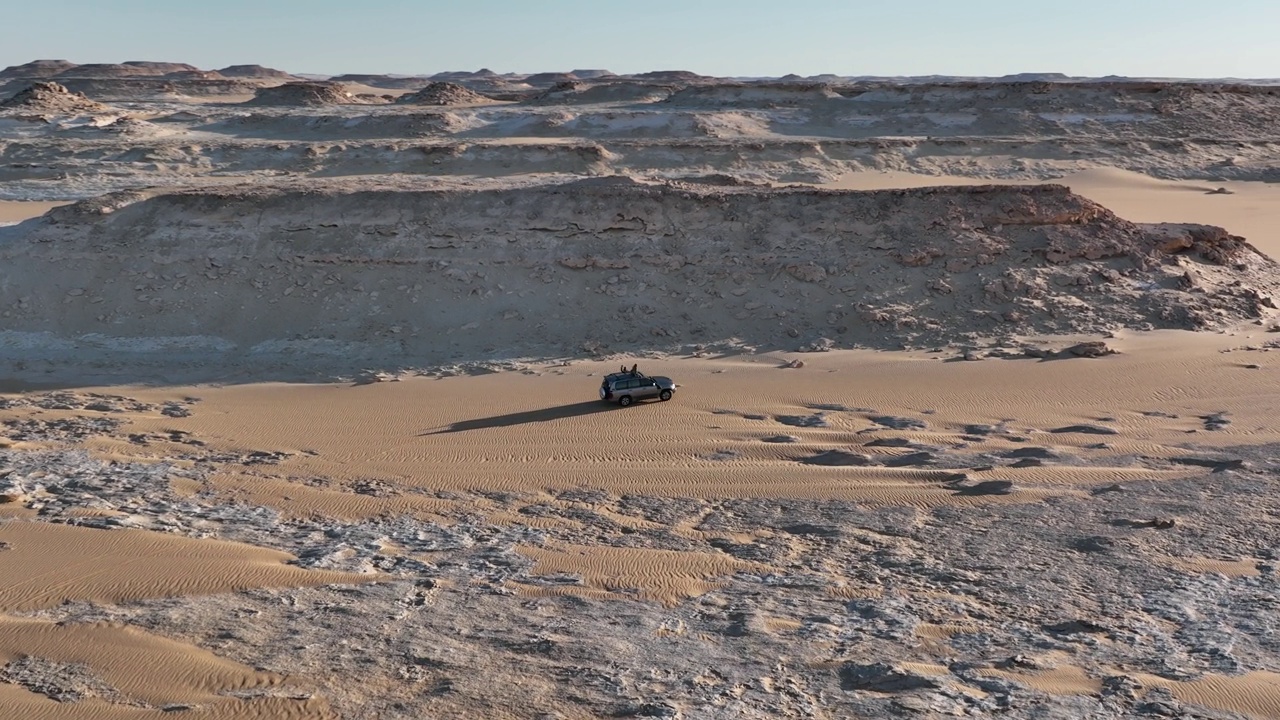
(1190, 38)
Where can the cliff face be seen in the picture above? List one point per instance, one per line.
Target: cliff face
(598, 266)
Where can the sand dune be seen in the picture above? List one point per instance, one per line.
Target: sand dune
(1253, 695)
(1230, 568)
(140, 669)
(99, 670)
(1065, 680)
(46, 565)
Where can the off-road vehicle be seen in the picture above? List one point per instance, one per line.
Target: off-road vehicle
(629, 386)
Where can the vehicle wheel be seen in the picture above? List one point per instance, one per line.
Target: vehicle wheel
(625, 400)
(665, 395)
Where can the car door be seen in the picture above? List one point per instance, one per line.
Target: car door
(646, 388)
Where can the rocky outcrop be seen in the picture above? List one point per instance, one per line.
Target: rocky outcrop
(444, 93)
(50, 98)
(304, 94)
(622, 265)
(133, 68)
(581, 93)
(885, 678)
(753, 94)
(782, 132)
(183, 75)
(161, 89)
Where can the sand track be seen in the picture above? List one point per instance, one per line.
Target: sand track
(530, 434)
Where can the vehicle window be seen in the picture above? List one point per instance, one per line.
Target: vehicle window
(628, 385)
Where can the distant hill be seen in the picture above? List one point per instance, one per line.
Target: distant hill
(456, 75)
(36, 69)
(1035, 77)
(253, 72)
(671, 76)
(550, 78)
(121, 70)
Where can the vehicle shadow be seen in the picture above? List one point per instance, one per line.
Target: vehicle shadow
(589, 407)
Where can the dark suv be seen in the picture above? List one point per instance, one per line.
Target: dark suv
(627, 387)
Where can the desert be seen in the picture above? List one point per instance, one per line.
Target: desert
(975, 412)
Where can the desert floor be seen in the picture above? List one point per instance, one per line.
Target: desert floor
(1006, 530)
(1073, 515)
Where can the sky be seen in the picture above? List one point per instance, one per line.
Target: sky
(1166, 38)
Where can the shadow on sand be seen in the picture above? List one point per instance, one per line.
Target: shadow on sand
(589, 407)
